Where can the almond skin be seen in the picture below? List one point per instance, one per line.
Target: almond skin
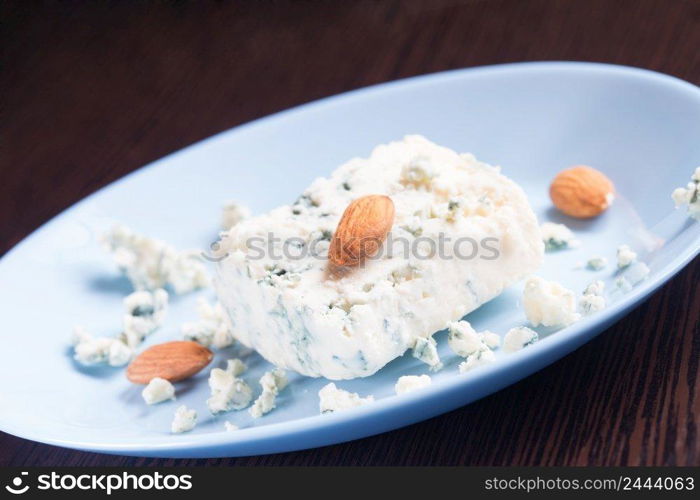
(361, 230)
(172, 361)
(582, 192)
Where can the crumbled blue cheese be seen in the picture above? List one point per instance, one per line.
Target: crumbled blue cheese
(557, 237)
(625, 256)
(272, 383)
(633, 275)
(592, 299)
(333, 399)
(597, 263)
(151, 264)
(232, 214)
(235, 367)
(475, 347)
(481, 357)
(492, 340)
(548, 303)
(418, 173)
(689, 195)
(144, 313)
(157, 391)
(228, 392)
(462, 338)
(185, 420)
(409, 383)
(230, 427)
(104, 350)
(212, 329)
(590, 304)
(425, 349)
(596, 287)
(282, 302)
(518, 338)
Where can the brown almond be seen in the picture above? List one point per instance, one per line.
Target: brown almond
(172, 361)
(361, 230)
(582, 192)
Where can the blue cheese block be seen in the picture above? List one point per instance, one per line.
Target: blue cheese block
(462, 233)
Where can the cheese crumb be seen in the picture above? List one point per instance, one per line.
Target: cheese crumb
(492, 340)
(633, 275)
(548, 303)
(184, 420)
(144, 313)
(557, 237)
(272, 383)
(592, 299)
(91, 351)
(334, 399)
(230, 427)
(625, 256)
(590, 304)
(597, 263)
(518, 338)
(409, 383)
(151, 264)
(425, 349)
(462, 338)
(475, 347)
(483, 356)
(212, 329)
(232, 214)
(228, 392)
(157, 391)
(235, 367)
(689, 195)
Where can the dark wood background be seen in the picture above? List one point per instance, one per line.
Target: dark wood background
(93, 90)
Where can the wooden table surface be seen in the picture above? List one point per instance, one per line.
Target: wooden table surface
(93, 90)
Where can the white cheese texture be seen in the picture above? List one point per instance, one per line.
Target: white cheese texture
(150, 263)
(228, 391)
(634, 274)
(557, 237)
(144, 313)
(409, 383)
(425, 349)
(492, 340)
(297, 317)
(625, 256)
(689, 196)
(472, 345)
(597, 263)
(88, 350)
(212, 329)
(548, 303)
(232, 214)
(185, 419)
(593, 299)
(272, 383)
(482, 357)
(333, 399)
(518, 338)
(157, 391)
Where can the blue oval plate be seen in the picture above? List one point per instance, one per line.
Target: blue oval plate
(534, 119)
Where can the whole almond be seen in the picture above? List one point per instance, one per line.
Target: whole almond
(172, 361)
(361, 230)
(582, 192)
